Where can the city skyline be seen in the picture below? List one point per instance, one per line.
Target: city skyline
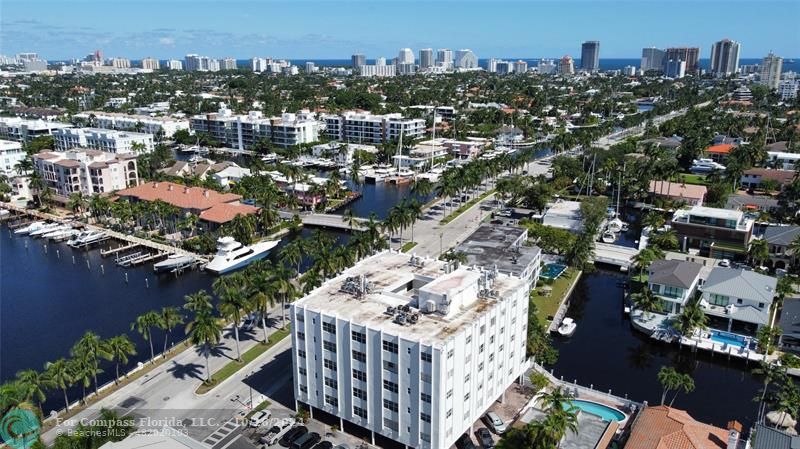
(285, 30)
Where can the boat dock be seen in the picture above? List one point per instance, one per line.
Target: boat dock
(111, 251)
(88, 244)
(142, 258)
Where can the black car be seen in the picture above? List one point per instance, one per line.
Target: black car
(306, 441)
(465, 442)
(324, 445)
(292, 435)
(484, 437)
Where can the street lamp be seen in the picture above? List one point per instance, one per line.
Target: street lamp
(441, 247)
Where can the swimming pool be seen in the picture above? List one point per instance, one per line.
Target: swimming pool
(553, 270)
(727, 338)
(604, 412)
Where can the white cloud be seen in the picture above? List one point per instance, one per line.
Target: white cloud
(166, 41)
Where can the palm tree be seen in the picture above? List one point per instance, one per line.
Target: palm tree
(665, 240)
(284, 287)
(35, 386)
(669, 379)
(77, 202)
(263, 302)
(770, 373)
(60, 374)
(232, 302)
(647, 302)
(554, 400)
(350, 218)
(292, 253)
(758, 252)
(144, 324)
(692, 317)
(766, 337)
(89, 349)
(170, 318)
(198, 302)
(120, 347)
(206, 331)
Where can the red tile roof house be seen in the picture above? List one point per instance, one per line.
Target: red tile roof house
(693, 195)
(718, 153)
(213, 208)
(664, 427)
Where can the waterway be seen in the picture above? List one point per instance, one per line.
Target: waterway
(607, 353)
(47, 302)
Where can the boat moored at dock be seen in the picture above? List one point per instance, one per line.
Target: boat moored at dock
(232, 254)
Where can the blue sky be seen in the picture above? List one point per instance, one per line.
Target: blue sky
(336, 29)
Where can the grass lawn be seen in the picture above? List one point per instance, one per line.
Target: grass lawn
(258, 408)
(546, 306)
(690, 178)
(407, 246)
(232, 367)
(466, 206)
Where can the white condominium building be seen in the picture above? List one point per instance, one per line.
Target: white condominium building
(771, 68)
(175, 64)
(24, 130)
(227, 64)
(10, 155)
(108, 140)
(377, 70)
(120, 63)
(199, 63)
(411, 349)
(444, 58)
(405, 56)
(787, 89)
(137, 123)
(151, 64)
(466, 59)
(85, 170)
(244, 131)
(363, 127)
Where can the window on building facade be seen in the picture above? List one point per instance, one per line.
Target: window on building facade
(425, 397)
(360, 412)
(390, 346)
(331, 382)
(359, 337)
(390, 386)
(329, 327)
(359, 375)
(390, 405)
(426, 357)
(424, 417)
(359, 356)
(329, 346)
(330, 400)
(718, 300)
(359, 393)
(330, 364)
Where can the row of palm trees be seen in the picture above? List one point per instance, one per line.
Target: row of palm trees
(81, 368)
(401, 216)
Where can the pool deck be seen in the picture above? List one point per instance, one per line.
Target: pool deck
(658, 328)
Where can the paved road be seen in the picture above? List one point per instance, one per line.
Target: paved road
(166, 395)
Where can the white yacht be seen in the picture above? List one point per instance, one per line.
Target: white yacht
(608, 237)
(704, 165)
(174, 261)
(232, 254)
(86, 238)
(55, 232)
(30, 228)
(567, 327)
(44, 229)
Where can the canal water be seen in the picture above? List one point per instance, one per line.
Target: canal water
(607, 353)
(47, 302)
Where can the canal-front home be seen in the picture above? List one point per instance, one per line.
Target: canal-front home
(738, 300)
(778, 239)
(665, 427)
(674, 282)
(720, 233)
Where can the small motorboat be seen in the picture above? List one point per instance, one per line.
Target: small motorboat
(608, 237)
(173, 262)
(44, 229)
(567, 327)
(30, 228)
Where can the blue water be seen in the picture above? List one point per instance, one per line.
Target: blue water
(726, 338)
(552, 270)
(605, 413)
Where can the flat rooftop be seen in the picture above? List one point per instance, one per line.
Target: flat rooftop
(394, 281)
(499, 246)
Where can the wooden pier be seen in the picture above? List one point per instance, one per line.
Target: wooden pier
(108, 252)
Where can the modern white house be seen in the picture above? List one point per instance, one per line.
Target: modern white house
(102, 139)
(782, 159)
(738, 300)
(11, 153)
(674, 282)
(413, 350)
(342, 153)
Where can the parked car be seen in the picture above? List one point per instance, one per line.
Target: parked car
(292, 435)
(275, 432)
(259, 418)
(306, 441)
(484, 437)
(324, 445)
(465, 442)
(725, 263)
(494, 423)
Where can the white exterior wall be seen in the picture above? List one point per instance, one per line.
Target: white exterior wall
(467, 373)
(150, 125)
(10, 155)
